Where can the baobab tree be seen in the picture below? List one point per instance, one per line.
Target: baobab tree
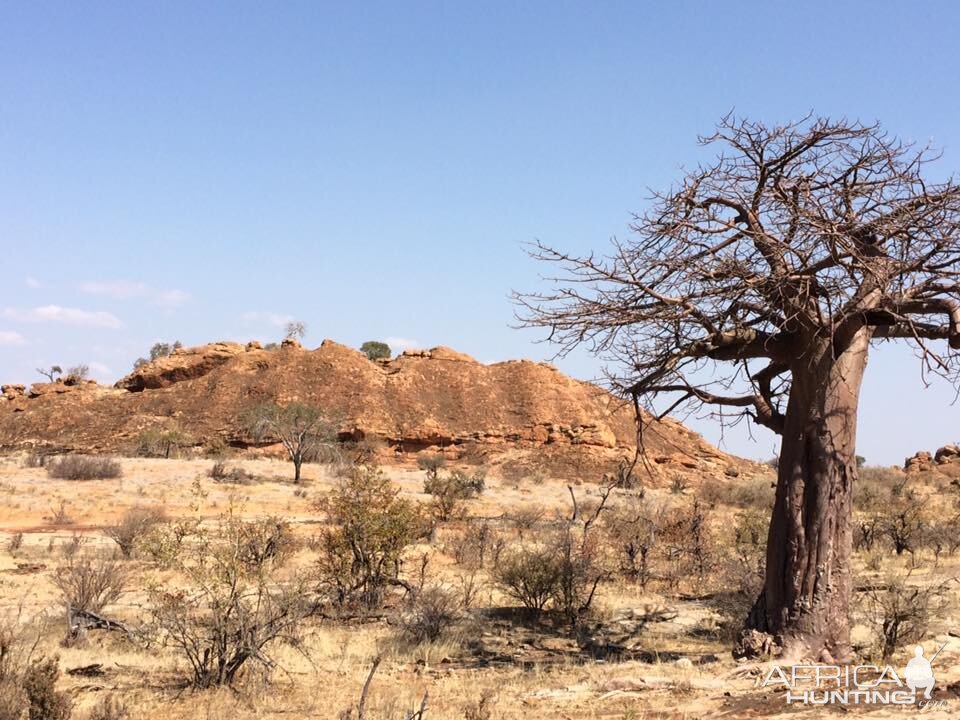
(755, 288)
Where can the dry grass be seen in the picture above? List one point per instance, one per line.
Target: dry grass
(541, 671)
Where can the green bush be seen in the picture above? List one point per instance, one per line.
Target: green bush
(39, 684)
(449, 492)
(370, 526)
(376, 350)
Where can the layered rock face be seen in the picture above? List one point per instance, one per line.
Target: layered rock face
(513, 414)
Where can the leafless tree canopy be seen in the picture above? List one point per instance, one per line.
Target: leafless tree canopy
(796, 233)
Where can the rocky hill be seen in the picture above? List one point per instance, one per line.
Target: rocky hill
(519, 416)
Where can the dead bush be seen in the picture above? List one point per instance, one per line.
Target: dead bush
(867, 531)
(15, 542)
(370, 528)
(902, 522)
(690, 545)
(89, 583)
(744, 493)
(60, 515)
(449, 492)
(224, 472)
(943, 536)
(14, 657)
(633, 531)
(135, 524)
(899, 611)
(83, 467)
(526, 517)
(110, 708)
(35, 460)
(475, 546)
(482, 709)
(269, 540)
(228, 613)
(429, 614)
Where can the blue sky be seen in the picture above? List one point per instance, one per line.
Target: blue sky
(204, 171)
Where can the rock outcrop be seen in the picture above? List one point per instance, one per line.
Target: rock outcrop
(182, 364)
(945, 460)
(517, 414)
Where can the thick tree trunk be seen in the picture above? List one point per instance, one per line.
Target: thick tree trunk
(804, 607)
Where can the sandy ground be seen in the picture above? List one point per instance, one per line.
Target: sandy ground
(546, 680)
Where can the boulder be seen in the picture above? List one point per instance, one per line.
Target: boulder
(947, 454)
(12, 392)
(919, 462)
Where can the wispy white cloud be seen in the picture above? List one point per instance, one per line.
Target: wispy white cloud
(99, 369)
(133, 290)
(170, 299)
(399, 343)
(8, 338)
(63, 315)
(116, 289)
(32, 283)
(258, 317)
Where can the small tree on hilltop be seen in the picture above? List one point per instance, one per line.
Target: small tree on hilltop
(157, 351)
(295, 330)
(301, 428)
(376, 350)
(51, 373)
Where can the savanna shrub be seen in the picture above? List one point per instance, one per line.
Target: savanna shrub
(430, 613)
(450, 491)
(45, 702)
(370, 526)
(83, 467)
(232, 604)
(134, 525)
(90, 583)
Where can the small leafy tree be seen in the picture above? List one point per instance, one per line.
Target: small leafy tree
(370, 526)
(302, 429)
(376, 350)
(162, 441)
(51, 373)
(157, 351)
(529, 575)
